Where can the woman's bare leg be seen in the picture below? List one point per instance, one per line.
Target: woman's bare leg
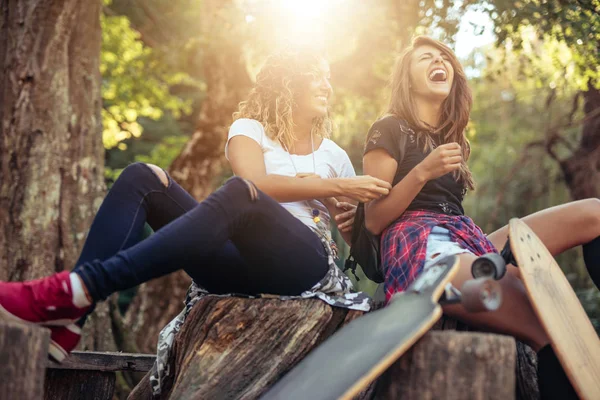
(560, 228)
(515, 316)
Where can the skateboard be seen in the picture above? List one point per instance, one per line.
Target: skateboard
(357, 354)
(571, 333)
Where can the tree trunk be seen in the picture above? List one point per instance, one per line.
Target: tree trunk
(23, 351)
(582, 168)
(51, 153)
(201, 162)
(200, 167)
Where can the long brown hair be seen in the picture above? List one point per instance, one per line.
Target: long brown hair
(271, 101)
(456, 108)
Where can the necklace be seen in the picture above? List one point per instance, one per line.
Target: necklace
(324, 230)
(314, 211)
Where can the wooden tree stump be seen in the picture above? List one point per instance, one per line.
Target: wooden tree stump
(453, 366)
(79, 385)
(23, 353)
(526, 361)
(235, 348)
(89, 375)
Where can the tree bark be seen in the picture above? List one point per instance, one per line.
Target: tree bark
(51, 153)
(96, 385)
(526, 361)
(201, 162)
(23, 351)
(237, 348)
(582, 169)
(453, 365)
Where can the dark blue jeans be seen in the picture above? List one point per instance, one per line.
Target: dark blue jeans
(238, 240)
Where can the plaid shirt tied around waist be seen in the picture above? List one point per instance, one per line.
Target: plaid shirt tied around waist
(404, 245)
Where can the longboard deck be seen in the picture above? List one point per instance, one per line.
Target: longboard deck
(356, 355)
(573, 337)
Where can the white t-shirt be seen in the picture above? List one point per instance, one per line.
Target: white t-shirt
(330, 159)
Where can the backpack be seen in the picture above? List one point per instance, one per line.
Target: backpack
(364, 249)
(364, 246)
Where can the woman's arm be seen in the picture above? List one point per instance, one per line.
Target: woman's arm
(247, 161)
(382, 212)
(341, 210)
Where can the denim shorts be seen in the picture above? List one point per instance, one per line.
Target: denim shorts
(439, 244)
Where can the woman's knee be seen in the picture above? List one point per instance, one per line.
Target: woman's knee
(138, 170)
(586, 219)
(160, 173)
(243, 185)
(591, 209)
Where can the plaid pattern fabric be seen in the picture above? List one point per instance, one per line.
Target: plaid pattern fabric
(404, 245)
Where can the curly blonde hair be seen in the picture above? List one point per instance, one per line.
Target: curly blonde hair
(455, 109)
(272, 99)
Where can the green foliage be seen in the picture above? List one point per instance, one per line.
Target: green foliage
(511, 118)
(547, 52)
(161, 143)
(574, 23)
(136, 83)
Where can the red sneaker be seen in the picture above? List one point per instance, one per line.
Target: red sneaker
(48, 300)
(63, 339)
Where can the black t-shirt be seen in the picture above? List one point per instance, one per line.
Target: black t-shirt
(441, 195)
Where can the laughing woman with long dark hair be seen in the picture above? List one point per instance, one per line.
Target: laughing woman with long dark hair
(420, 148)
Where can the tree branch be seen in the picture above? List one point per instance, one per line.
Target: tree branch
(574, 108)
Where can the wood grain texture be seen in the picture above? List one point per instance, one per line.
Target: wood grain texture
(453, 366)
(105, 361)
(231, 348)
(23, 351)
(79, 385)
(526, 361)
(236, 348)
(573, 337)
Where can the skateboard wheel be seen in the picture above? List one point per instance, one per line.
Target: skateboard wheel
(490, 265)
(482, 294)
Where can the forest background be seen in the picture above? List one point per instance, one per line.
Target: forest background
(172, 72)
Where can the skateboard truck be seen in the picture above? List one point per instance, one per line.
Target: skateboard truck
(476, 295)
(507, 254)
(480, 294)
(451, 295)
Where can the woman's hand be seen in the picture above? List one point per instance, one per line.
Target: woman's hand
(345, 220)
(364, 188)
(444, 159)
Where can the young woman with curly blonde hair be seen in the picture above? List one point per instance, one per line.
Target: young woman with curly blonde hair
(420, 148)
(265, 231)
